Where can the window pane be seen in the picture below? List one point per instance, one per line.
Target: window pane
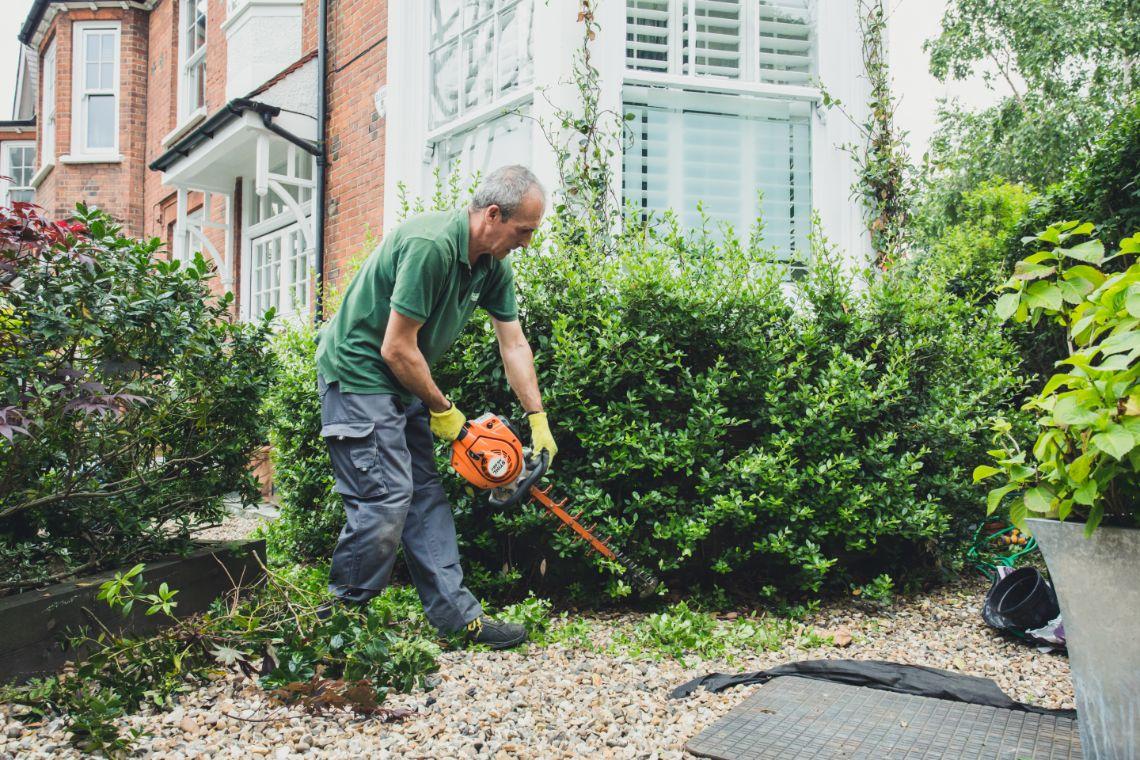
(476, 10)
(101, 121)
(21, 196)
(444, 20)
(20, 160)
(445, 83)
(516, 67)
(503, 140)
(647, 35)
(712, 38)
(723, 161)
(93, 47)
(785, 55)
(108, 40)
(478, 83)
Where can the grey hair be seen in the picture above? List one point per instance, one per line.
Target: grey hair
(506, 187)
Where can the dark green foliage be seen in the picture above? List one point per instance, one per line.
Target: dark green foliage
(720, 430)
(311, 513)
(1103, 185)
(125, 397)
(723, 433)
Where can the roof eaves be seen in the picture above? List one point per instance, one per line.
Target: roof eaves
(210, 127)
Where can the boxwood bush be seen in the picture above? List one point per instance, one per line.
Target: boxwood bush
(724, 424)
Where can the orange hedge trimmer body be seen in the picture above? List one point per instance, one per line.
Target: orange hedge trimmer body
(490, 456)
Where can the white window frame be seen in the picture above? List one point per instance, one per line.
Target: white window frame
(80, 92)
(6, 185)
(186, 64)
(681, 85)
(467, 119)
(281, 226)
(467, 116)
(48, 107)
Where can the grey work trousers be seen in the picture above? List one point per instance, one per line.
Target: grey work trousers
(381, 452)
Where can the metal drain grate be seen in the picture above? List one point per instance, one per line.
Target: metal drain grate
(793, 718)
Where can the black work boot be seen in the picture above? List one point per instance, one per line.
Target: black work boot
(495, 633)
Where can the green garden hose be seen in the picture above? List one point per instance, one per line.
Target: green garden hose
(986, 558)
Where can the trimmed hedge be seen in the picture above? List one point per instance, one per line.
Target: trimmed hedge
(723, 425)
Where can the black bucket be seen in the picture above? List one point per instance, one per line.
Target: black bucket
(1021, 601)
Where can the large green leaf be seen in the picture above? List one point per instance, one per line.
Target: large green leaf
(983, 471)
(1091, 251)
(1038, 499)
(994, 497)
(1007, 305)
(1043, 295)
(1070, 411)
(1116, 441)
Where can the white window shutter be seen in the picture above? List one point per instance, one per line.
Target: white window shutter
(647, 35)
(728, 163)
(712, 38)
(785, 52)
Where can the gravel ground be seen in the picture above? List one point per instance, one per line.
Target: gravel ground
(557, 702)
(564, 702)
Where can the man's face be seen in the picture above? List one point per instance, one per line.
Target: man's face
(509, 234)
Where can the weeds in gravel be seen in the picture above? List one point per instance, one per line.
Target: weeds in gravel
(351, 660)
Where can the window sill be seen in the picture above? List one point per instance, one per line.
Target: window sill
(110, 158)
(39, 177)
(182, 129)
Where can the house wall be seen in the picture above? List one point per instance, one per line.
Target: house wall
(117, 187)
(357, 66)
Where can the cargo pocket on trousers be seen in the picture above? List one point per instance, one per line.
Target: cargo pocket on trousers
(355, 459)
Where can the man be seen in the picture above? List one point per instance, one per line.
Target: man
(380, 405)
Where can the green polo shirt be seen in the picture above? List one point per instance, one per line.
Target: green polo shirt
(421, 270)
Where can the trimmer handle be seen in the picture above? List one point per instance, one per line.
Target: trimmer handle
(538, 465)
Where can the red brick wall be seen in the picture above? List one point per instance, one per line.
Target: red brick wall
(357, 68)
(162, 110)
(118, 188)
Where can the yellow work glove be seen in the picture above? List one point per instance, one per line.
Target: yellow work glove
(447, 424)
(540, 437)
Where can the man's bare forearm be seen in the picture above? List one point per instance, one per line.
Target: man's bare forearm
(412, 370)
(518, 362)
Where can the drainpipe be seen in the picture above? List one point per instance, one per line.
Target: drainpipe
(322, 143)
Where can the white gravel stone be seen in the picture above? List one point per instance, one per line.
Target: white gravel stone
(566, 703)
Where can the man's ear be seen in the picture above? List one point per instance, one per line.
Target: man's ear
(494, 213)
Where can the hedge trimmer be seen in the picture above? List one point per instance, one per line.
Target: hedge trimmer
(490, 456)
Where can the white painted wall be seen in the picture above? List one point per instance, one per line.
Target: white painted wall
(262, 38)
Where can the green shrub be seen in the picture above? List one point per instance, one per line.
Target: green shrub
(125, 391)
(723, 429)
(968, 258)
(723, 434)
(311, 512)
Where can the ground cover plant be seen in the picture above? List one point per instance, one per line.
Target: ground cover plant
(124, 395)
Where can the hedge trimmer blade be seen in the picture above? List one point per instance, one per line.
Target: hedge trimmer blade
(640, 578)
